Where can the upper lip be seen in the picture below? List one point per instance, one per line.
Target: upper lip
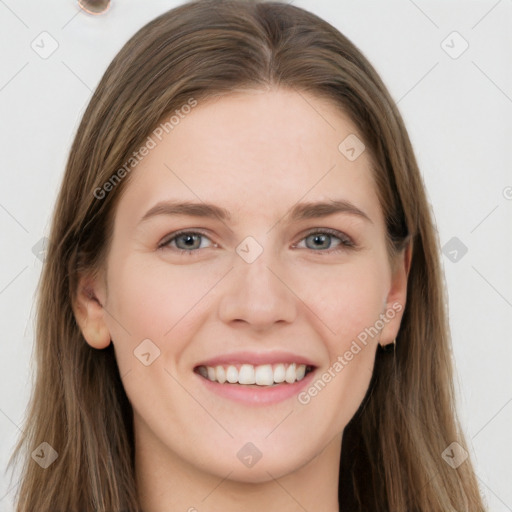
(256, 358)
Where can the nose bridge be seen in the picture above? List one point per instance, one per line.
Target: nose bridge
(257, 293)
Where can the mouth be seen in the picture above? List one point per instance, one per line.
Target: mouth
(255, 376)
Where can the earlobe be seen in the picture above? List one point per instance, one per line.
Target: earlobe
(90, 315)
(396, 299)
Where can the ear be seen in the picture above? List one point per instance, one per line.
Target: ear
(397, 295)
(90, 313)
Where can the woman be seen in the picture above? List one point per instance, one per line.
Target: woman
(259, 369)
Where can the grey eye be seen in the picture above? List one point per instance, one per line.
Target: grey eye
(189, 241)
(319, 240)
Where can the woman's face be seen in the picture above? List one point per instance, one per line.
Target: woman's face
(255, 288)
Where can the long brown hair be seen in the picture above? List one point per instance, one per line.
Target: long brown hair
(392, 449)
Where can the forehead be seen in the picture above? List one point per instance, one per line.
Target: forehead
(255, 151)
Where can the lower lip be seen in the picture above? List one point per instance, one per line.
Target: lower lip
(264, 395)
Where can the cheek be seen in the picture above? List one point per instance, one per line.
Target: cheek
(345, 299)
(156, 301)
(151, 296)
(347, 308)
(347, 303)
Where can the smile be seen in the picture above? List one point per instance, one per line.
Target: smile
(261, 375)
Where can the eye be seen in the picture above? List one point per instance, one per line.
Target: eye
(190, 241)
(184, 241)
(322, 239)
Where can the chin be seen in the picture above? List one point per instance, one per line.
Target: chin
(257, 470)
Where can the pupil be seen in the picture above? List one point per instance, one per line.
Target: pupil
(321, 239)
(189, 240)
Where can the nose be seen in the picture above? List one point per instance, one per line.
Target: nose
(257, 294)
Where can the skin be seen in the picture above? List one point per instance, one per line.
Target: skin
(256, 153)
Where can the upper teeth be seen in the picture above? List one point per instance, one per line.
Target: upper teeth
(263, 375)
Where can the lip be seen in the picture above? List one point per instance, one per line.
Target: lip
(255, 359)
(264, 395)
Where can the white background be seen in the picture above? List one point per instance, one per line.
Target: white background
(458, 112)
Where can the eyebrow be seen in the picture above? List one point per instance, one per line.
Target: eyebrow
(301, 211)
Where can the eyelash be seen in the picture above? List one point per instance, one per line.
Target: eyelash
(346, 242)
